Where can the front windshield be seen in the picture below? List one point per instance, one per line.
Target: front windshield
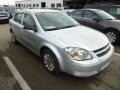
(104, 15)
(55, 20)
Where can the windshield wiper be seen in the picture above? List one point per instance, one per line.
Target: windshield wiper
(69, 26)
(108, 19)
(51, 29)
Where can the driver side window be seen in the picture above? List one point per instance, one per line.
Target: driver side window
(90, 15)
(77, 14)
(29, 22)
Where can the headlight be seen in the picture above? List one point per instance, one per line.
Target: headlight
(78, 53)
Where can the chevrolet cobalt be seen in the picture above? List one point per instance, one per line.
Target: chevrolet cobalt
(63, 44)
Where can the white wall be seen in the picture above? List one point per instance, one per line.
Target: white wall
(48, 3)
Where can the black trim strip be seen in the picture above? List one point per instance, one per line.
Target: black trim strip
(95, 51)
(103, 53)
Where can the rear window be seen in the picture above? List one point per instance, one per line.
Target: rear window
(104, 15)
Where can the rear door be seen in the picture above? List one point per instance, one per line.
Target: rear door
(17, 25)
(90, 19)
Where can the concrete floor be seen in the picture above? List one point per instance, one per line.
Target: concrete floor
(30, 67)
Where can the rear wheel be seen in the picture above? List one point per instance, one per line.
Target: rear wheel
(113, 36)
(13, 38)
(50, 61)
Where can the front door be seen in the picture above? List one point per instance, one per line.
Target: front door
(30, 34)
(78, 16)
(90, 20)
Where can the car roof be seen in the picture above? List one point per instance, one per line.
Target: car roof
(37, 10)
(89, 9)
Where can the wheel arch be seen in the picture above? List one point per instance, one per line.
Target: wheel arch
(116, 31)
(111, 28)
(54, 50)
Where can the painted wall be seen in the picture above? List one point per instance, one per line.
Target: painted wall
(30, 3)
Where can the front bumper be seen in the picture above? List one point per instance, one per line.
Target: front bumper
(89, 67)
(90, 70)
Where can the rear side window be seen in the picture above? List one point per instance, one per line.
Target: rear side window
(18, 17)
(77, 14)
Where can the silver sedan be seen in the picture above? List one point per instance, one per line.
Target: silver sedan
(63, 44)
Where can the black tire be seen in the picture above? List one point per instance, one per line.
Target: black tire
(13, 38)
(116, 36)
(56, 69)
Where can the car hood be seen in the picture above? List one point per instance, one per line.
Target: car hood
(82, 37)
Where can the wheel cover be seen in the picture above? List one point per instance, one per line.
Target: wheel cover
(12, 37)
(111, 36)
(49, 62)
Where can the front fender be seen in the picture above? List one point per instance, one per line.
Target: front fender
(56, 50)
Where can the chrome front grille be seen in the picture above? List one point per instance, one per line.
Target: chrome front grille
(102, 51)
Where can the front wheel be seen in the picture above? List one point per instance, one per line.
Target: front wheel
(113, 36)
(50, 62)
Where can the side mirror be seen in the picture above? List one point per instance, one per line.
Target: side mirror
(96, 19)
